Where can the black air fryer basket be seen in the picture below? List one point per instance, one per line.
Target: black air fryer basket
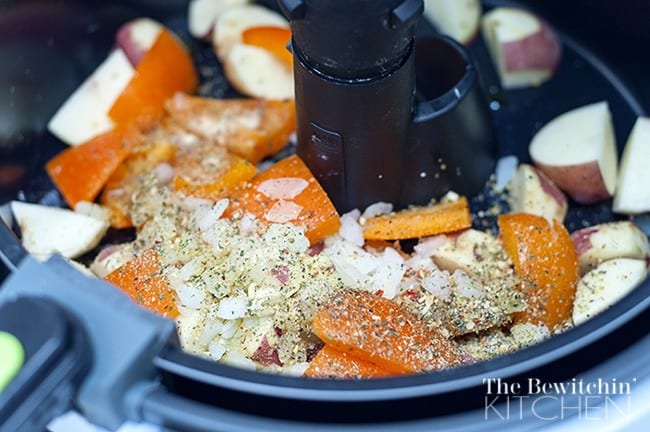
(47, 48)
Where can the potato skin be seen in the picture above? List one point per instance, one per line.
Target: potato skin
(584, 183)
(599, 243)
(533, 192)
(541, 50)
(137, 37)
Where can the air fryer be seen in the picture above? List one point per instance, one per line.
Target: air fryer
(48, 48)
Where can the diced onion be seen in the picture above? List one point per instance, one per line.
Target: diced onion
(288, 237)
(188, 295)
(216, 350)
(377, 209)
(350, 229)
(528, 334)
(186, 322)
(248, 223)
(193, 203)
(232, 307)
(190, 269)
(93, 210)
(389, 273)
(213, 215)
(230, 327)
(437, 283)
(211, 329)
(428, 245)
(466, 285)
(236, 359)
(505, 169)
(295, 370)
(164, 173)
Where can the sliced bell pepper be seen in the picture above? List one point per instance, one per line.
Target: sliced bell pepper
(141, 279)
(310, 208)
(546, 260)
(81, 172)
(377, 330)
(419, 221)
(165, 69)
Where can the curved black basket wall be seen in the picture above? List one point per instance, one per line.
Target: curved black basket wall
(46, 51)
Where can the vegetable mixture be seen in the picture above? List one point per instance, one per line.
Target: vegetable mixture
(259, 270)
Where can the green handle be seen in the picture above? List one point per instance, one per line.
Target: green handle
(12, 357)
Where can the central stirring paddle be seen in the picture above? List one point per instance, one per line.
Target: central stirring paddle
(361, 129)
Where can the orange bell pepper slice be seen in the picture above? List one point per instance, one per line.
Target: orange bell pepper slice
(335, 364)
(419, 221)
(141, 280)
(81, 172)
(165, 69)
(546, 260)
(250, 128)
(195, 180)
(378, 330)
(311, 207)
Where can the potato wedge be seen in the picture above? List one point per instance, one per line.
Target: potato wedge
(605, 285)
(603, 242)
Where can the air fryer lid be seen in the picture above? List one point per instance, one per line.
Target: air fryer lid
(82, 33)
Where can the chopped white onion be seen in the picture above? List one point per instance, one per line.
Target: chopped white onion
(506, 167)
(466, 285)
(345, 252)
(213, 215)
(295, 370)
(193, 203)
(350, 229)
(190, 269)
(115, 193)
(248, 223)
(188, 294)
(450, 196)
(353, 214)
(420, 262)
(377, 209)
(236, 359)
(186, 322)
(211, 329)
(216, 350)
(164, 172)
(232, 307)
(428, 245)
(389, 273)
(230, 327)
(437, 283)
(289, 237)
(352, 264)
(528, 334)
(111, 258)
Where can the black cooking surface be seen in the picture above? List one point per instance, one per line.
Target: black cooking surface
(39, 70)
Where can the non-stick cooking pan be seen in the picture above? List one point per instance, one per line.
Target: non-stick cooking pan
(48, 47)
